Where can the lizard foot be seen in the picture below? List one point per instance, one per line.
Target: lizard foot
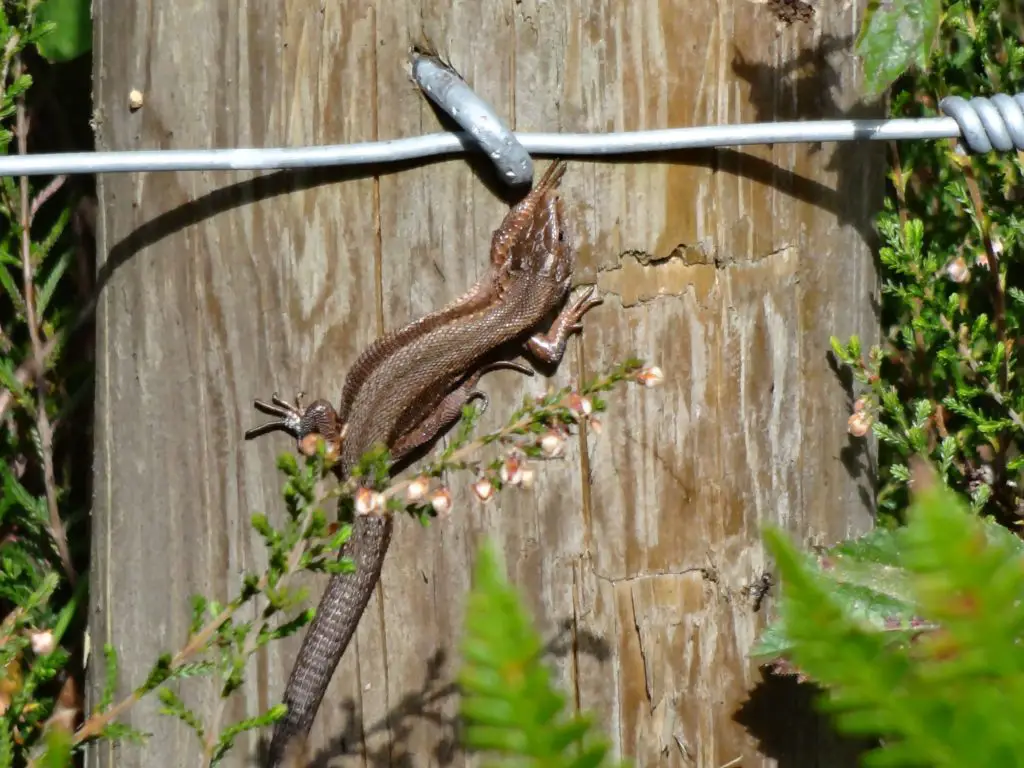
(306, 425)
(476, 394)
(550, 346)
(450, 408)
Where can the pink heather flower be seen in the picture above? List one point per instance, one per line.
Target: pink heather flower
(651, 377)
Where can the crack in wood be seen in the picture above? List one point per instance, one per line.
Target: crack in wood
(709, 574)
(640, 277)
(648, 683)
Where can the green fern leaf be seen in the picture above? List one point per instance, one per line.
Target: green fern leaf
(509, 704)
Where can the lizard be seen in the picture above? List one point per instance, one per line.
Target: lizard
(406, 389)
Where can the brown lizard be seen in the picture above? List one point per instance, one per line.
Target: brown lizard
(406, 389)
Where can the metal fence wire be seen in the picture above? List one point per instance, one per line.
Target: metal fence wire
(982, 124)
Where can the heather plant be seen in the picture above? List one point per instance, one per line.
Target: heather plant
(46, 386)
(944, 381)
(914, 630)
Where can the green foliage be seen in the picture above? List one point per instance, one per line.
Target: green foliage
(509, 705)
(221, 644)
(42, 604)
(232, 732)
(896, 36)
(914, 632)
(72, 28)
(937, 671)
(944, 382)
(866, 577)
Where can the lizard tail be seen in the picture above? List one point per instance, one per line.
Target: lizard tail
(329, 634)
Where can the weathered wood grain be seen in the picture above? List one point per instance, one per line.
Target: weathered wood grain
(730, 269)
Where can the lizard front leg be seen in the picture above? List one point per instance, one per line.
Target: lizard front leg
(550, 346)
(449, 409)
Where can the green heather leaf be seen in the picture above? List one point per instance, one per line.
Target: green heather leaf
(45, 292)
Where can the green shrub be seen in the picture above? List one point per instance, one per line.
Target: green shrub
(944, 382)
(915, 634)
(915, 629)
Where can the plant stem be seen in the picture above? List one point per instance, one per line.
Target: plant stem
(96, 723)
(43, 426)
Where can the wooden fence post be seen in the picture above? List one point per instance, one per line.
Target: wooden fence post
(729, 268)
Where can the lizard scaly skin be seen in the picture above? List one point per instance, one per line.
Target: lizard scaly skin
(407, 388)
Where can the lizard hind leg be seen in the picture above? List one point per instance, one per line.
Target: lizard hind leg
(449, 409)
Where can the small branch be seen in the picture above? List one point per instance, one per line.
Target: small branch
(9, 49)
(47, 192)
(96, 723)
(990, 388)
(295, 556)
(33, 368)
(9, 622)
(43, 426)
(920, 354)
(900, 184)
(999, 310)
(456, 457)
(538, 413)
(998, 296)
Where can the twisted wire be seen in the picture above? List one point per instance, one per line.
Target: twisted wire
(987, 123)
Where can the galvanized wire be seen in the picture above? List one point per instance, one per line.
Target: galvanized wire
(996, 122)
(443, 85)
(982, 124)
